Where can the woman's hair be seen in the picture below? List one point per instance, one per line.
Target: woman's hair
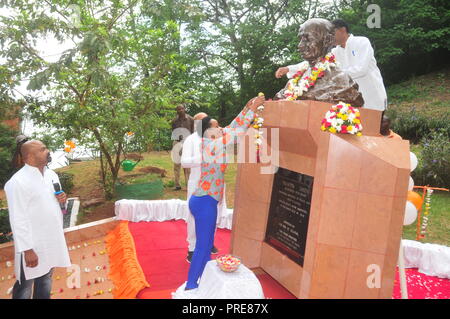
(385, 125)
(206, 124)
(17, 161)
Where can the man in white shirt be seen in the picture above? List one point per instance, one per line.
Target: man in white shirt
(36, 222)
(191, 157)
(355, 57)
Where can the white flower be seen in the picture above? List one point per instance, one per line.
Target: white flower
(344, 109)
(329, 114)
(334, 122)
(351, 116)
(260, 108)
(258, 141)
(304, 65)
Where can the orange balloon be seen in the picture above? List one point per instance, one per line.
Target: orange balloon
(415, 198)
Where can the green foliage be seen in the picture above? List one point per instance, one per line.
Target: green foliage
(66, 180)
(5, 227)
(236, 49)
(404, 92)
(7, 149)
(412, 40)
(434, 160)
(414, 126)
(116, 78)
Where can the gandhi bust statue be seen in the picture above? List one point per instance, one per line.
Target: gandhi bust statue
(331, 85)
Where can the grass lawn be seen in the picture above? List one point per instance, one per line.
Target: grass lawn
(428, 94)
(438, 230)
(87, 185)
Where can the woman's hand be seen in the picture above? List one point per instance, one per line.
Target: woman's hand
(255, 102)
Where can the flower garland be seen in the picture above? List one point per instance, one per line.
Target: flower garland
(299, 84)
(257, 124)
(342, 118)
(426, 212)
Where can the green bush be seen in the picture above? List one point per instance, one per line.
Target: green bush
(7, 149)
(66, 180)
(415, 126)
(5, 227)
(434, 160)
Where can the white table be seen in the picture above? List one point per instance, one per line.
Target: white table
(216, 284)
(161, 210)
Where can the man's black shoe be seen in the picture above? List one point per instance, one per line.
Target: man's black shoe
(214, 250)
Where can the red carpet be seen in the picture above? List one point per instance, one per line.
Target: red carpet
(421, 286)
(161, 249)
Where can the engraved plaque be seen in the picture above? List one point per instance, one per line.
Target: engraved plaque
(287, 225)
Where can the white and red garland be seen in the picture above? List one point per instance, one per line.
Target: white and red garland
(300, 84)
(426, 212)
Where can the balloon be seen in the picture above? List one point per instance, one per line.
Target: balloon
(413, 160)
(410, 213)
(411, 184)
(415, 198)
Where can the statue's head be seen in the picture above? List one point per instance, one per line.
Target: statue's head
(316, 39)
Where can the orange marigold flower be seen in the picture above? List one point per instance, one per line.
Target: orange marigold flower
(206, 185)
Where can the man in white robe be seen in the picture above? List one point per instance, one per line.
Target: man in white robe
(191, 157)
(355, 57)
(36, 222)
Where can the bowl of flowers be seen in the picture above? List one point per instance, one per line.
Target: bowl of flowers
(228, 263)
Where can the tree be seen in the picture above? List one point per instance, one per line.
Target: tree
(113, 80)
(235, 50)
(7, 149)
(412, 39)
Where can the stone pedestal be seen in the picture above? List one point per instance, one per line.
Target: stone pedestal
(356, 211)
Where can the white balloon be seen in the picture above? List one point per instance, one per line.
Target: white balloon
(413, 160)
(410, 213)
(411, 184)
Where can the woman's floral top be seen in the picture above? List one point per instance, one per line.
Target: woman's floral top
(214, 156)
